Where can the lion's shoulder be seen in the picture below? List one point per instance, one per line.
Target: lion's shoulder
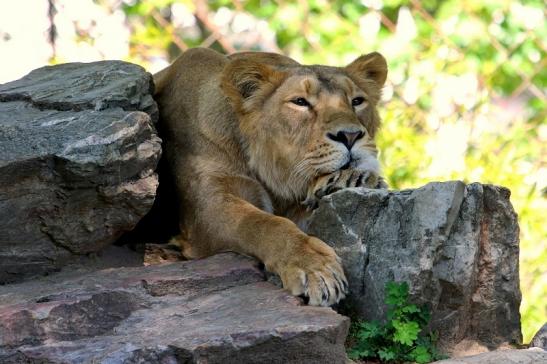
(268, 58)
(190, 67)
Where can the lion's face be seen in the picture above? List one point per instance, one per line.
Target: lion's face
(300, 122)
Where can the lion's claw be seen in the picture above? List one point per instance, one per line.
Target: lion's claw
(328, 184)
(316, 273)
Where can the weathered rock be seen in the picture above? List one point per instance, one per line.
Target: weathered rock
(526, 356)
(78, 151)
(85, 86)
(540, 338)
(455, 244)
(161, 253)
(216, 310)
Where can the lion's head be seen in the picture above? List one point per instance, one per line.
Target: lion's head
(300, 122)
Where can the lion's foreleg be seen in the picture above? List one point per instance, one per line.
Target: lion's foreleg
(307, 266)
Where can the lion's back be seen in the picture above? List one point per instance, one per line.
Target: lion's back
(180, 86)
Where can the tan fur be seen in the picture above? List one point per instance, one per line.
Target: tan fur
(245, 157)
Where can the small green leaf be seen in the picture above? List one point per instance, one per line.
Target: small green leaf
(406, 332)
(410, 309)
(355, 354)
(396, 293)
(361, 352)
(421, 355)
(369, 330)
(424, 315)
(387, 354)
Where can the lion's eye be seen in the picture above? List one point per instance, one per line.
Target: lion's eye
(357, 101)
(300, 101)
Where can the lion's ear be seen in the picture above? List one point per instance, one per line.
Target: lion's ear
(372, 66)
(243, 78)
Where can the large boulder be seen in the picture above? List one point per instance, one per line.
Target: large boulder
(216, 310)
(78, 151)
(456, 245)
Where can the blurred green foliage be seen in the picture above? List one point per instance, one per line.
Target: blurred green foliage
(465, 97)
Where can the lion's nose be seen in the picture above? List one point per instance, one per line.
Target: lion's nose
(348, 138)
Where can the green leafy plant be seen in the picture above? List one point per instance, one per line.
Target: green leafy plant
(402, 338)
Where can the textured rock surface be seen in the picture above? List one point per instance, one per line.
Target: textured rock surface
(85, 86)
(540, 338)
(455, 244)
(217, 310)
(78, 151)
(161, 253)
(528, 356)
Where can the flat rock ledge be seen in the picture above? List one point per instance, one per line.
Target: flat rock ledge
(456, 245)
(524, 356)
(216, 310)
(78, 151)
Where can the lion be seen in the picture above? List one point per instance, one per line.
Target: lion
(253, 141)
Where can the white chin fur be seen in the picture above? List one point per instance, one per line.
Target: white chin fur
(367, 162)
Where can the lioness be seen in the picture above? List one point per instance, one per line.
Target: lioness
(253, 140)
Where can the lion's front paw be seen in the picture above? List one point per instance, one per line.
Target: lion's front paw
(313, 270)
(330, 183)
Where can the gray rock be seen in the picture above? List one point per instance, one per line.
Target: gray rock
(216, 310)
(85, 86)
(540, 338)
(78, 150)
(456, 245)
(527, 356)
